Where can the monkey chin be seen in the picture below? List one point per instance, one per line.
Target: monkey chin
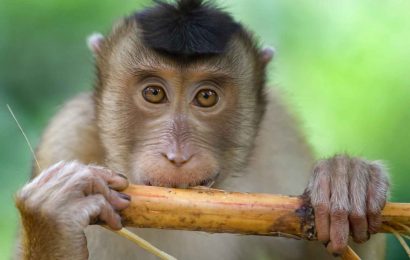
(199, 171)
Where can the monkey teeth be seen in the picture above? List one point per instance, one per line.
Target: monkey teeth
(207, 183)
(183, 186)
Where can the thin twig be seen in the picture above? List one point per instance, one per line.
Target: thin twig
(142, 243)
(25, 136)
(403, 226)
(400, 238)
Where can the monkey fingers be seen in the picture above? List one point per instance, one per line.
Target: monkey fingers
(47, 174)
(353, 192)
(96, 208)
(376, 196)
(90, 180)
(339, 232)
(339, 204)
(358, 185)
(107, 183)
(114, 180)
(329, 193)
(320, 196)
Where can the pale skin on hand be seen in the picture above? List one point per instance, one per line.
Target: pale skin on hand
(181, 121)
(72, 195)
(348, 195)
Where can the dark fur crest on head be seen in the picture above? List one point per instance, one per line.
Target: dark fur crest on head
(189, 27)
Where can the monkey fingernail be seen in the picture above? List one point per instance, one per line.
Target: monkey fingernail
(122, 176)
(124, 196)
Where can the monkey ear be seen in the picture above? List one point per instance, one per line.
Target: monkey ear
(266, 54)
(94, 42)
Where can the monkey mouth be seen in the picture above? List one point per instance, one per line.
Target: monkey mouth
(204, 183)
(207, 183)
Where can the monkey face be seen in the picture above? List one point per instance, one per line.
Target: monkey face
(180, 113)
(172, 121)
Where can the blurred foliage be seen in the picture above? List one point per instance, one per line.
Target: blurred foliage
(342, 65)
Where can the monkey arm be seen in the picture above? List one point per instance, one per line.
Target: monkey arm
(218, 211)
(71, 135)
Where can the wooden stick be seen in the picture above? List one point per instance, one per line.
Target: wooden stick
(218, 211)
(349, 254)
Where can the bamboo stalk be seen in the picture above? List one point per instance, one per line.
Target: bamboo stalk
(219, 211)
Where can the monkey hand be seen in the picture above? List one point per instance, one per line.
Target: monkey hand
(61, 202)
(348, 195)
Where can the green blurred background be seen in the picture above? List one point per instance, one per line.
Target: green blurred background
(344, 67)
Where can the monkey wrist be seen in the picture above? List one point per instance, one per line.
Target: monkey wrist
(42, 241)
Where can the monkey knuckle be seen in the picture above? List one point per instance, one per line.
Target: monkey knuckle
(55, 168)
(375, 206)
(318, 199)
(24, 205)
(378, 173)
(101, 169)
(94, 185)
(357, 217)
(85, 176)
(68, 167)
(89, 176)
(91, 207)
(75, 164)
(339, 216)
(29, 201)
(322, 209)
(377, 198)
(100, 201)
(321, 168)
(380, 180)
(340, 161)
(359, 171)
(100, 187)
(23, 194)
(378, 167)
(93, 210)
(357, 210)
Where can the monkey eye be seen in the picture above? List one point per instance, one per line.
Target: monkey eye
(206, 98)
(154, 94)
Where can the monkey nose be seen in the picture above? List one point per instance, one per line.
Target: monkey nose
(178, 159)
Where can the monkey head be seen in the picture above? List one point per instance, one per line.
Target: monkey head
(179, 94)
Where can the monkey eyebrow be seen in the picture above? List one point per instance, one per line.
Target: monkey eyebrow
(145, 73)
(221, 78)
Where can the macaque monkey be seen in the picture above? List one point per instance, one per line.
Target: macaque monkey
(180, 100)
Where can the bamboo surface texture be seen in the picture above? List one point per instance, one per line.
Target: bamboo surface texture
(217, 211)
